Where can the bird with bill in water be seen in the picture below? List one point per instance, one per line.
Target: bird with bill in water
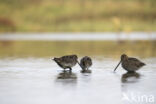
(85, 64)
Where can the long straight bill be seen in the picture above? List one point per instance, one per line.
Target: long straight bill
(79, 64)
(117, 66)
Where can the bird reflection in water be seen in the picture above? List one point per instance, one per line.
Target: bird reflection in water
(67, 79)
(130, 77)
(66, 75)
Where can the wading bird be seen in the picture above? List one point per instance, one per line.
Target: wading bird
(130, 64)
(66, 62)
(86, 63)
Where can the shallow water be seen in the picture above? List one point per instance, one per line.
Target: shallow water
(35, 81)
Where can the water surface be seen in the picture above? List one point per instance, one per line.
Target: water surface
(82, 36)
(35, 81)
(29, 76)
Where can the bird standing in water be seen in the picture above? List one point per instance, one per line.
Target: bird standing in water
(130, 64)
(66, 62)
(85, 63)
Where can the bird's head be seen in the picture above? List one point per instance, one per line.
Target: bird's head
(124, 57)
(56, 59)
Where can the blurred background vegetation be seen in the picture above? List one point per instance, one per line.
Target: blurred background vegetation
(144, 49)
(77, 15)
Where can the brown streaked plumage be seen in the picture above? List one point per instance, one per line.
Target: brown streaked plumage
(67, 61)
(130, 64)
(86, 63)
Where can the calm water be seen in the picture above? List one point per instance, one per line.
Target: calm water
(140, 44)
(29, 76)
(86, 36)
(35, 81)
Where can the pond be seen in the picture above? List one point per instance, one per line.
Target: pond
(29, 76)
(37, 81)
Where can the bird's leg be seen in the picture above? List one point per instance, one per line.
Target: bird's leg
(64, 70)
(131, 72)
(70, 69)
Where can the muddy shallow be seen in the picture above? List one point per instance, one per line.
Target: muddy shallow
(38, 81)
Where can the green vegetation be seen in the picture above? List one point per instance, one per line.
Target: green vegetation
(77, 15)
